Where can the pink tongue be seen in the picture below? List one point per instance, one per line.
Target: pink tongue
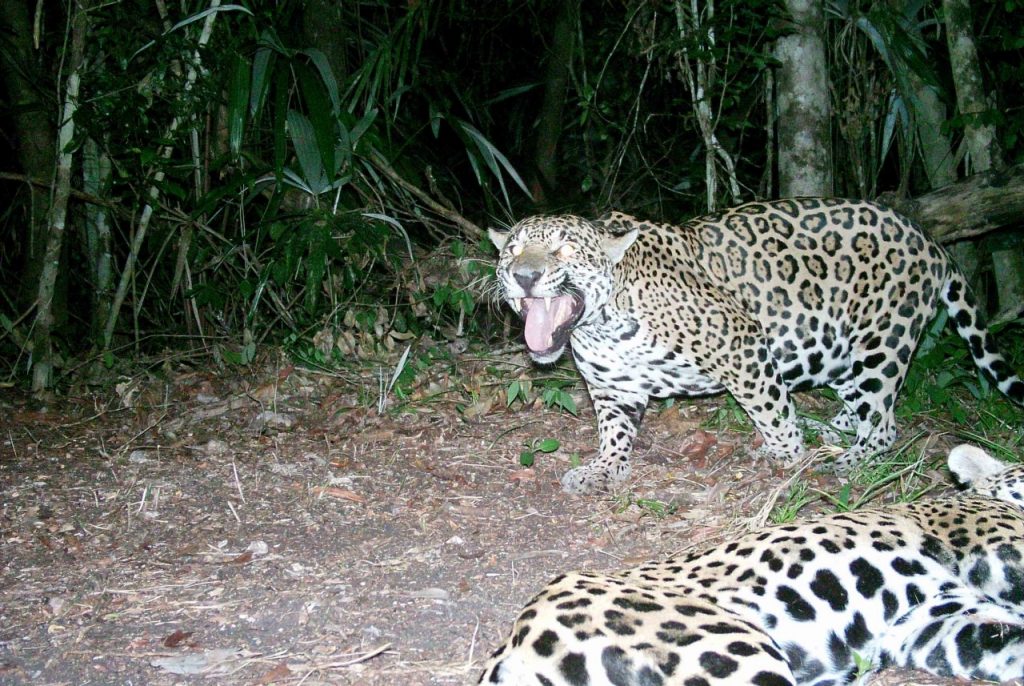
(539, 325)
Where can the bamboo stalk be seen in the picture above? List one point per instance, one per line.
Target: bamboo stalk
(154, 189)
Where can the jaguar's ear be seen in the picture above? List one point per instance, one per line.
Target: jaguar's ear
(970, 463)
(499, 238)
(616, 245)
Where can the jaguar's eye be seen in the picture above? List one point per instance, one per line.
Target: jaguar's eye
(566, 251)
(517, 250)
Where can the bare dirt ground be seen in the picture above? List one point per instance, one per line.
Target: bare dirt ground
(192, 528)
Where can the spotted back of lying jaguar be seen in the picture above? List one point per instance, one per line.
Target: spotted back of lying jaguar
(936, 585)
(758, 300)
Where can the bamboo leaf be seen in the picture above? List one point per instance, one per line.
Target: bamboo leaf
(208, 11)
(362, 127)
(869, 29)
(327, 78)
(303, 138)
(494, 159)
(262, 67)
(238, 103)
(280, 120)
(897, 115)
(320, 114)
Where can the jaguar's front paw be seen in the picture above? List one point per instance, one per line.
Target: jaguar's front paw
(593, 478)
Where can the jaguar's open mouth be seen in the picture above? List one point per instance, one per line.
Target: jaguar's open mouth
(549, 321)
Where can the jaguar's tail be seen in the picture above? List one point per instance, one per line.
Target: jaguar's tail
(969, 323)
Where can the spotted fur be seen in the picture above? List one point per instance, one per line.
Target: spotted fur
(759, 300)
(935, 585)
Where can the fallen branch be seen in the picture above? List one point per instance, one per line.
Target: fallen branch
(468, 227)
(977, 205)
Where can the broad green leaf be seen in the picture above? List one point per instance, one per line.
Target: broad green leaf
(262, 66)
(548, 445)
(320, 115)
(303, 138)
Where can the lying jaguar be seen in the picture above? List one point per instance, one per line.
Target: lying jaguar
(935, 585)
(758, 300)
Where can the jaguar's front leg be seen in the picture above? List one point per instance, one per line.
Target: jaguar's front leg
(618, 418)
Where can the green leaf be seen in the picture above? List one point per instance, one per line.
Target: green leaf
(512, 392)
(327, 78)
(238, 103)
(303, 138)
(320, 113)
(493, 158)
(280, 122)
(548, 445)
(262, 67)
(526, 458)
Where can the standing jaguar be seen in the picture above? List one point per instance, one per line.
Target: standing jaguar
(935, 585)
(758, 300)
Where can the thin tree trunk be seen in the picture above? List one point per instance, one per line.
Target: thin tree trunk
(36, 135)
(982, 145)
(556, 83)
(96, 173)
(700, 75)
(804, 138)
(984, 151)
(42, 348)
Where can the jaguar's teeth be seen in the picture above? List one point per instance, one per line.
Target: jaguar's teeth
(547, 303)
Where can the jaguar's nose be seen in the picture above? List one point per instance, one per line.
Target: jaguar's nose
(526, 278)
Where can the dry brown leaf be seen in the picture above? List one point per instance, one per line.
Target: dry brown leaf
(177, 638)
(241, 559)
(280, 672)
(523, 475)
(697, 444)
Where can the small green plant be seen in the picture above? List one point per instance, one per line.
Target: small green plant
(245, 354)
(651, 506)
(538, 445)
(519, 390)
(729, 416)
(797, 497)
(864, 666)
(554, 394)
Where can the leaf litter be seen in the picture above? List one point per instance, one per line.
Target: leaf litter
(280, 530)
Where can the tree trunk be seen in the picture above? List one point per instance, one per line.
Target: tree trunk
(984, 151)
(556, 83)
(323, 28)
(802, 100)
(42, 346)
(96, 177)
(982, 145)
(35, 131)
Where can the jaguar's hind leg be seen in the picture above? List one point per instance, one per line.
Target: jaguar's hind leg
(961, 633)
(868, 390)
